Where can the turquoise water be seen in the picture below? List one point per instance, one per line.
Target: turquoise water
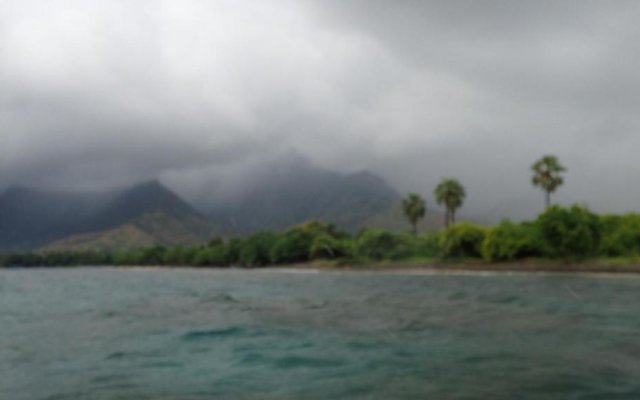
(206, 334)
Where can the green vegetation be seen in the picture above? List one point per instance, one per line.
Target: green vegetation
(570, 233)
(461, 241)
(256, 250)
(547, 175)
(450, 193)
(566, 234)
(620, 236)
(509, 241)
(377, 245)
(414, 208)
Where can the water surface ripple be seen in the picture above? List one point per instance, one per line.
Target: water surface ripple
(110, 334)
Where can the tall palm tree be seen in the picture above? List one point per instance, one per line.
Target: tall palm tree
(547, 175)
(450, 193)
(414, 208)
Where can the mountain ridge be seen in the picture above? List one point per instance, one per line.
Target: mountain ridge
(295, 191)
(33, 218)
(149, 213)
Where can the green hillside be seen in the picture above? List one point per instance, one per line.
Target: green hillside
(151, 229)
(141, 214)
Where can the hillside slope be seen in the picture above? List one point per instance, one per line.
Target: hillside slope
(153, 229)
(286, 194)
(31, 219)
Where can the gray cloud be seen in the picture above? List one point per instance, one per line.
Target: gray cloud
(104, 92)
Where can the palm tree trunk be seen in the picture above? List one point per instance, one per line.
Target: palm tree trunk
(547, 199)
(453, 216)
(415, 228)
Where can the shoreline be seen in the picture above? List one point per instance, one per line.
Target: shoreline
(507, 268)
(477, 267)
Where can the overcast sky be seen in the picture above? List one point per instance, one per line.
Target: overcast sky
(96, 93)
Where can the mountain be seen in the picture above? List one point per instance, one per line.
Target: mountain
(124, 237)
(30, 218)
(272, 197)
(157, 228)
(145, 214)
(292, 191)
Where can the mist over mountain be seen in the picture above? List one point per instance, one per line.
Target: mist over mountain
(292, 190)
(275, 196)
(100, 94)
(31, 218)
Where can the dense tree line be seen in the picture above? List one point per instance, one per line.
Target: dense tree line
(547, 175)
(571, 233)
(558, 233)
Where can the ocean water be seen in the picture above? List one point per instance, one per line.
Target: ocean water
(228, 334)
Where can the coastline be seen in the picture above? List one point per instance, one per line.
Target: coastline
(476, 267)
(463, 267)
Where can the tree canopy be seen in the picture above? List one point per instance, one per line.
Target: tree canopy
(450, 193)
(414, 208)
(547, 174)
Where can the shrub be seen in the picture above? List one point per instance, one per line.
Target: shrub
(153, 255)
(256, 250)
(405, 247)
(509, 241)
(620, 235)
(572, 232)
(175, 256)
(329, 248)
(234, 247)
(295, 245)
(292, 247)
(130, 257)
(212, 255)
(377, 244)
(461, 240)
(426, 245)
(316, 228)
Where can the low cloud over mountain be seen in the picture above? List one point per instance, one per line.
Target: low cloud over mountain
(99, 94)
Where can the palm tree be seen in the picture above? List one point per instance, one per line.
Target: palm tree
(450, 193)
(547, 175)
(414, 208)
